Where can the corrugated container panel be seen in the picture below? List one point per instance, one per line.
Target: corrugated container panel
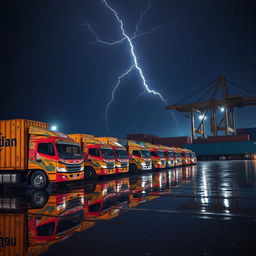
(13, 234)
(139, 136)
(14, 142)
(223, 148)
(228, 138)
(250, 131)
(172, 140)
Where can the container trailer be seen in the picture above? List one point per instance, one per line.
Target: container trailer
(31, 153)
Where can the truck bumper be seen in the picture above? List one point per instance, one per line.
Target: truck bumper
(61, 177)
(105, 171)
(122, 170)
(146, 167)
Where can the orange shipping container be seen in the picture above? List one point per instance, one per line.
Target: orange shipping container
(13, 234)
(14, 138)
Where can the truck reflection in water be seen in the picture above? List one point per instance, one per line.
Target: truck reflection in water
(26, 231)
(32, 221)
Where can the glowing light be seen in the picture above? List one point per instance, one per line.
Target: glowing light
(201, 117)
(54, 128)
(222, 109)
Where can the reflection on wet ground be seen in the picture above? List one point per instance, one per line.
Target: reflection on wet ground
(208, 209)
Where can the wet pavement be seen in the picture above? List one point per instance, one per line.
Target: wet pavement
(208, 209)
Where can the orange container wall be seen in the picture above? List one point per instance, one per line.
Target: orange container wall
(14, 143)
(76, 137)
(107, 139)
(13, 234)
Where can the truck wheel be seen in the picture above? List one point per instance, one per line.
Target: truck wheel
(89, 174)
(39, 180)
(38, 198)
(133, 168)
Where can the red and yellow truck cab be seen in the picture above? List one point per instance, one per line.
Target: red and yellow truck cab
(98, 156)
(160, 183)
(30, 152)
(140, 188)
(139, 156)
(121, 154)
(101, 200)
(185, 156)
(177, 157)
(58, 219)
(193, 158)
(122, 191)
(157, 156)
(30, 232)
(169, 156)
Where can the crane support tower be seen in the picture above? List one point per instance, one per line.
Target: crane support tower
(219, 99)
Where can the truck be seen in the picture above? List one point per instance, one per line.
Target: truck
(31, 231)
(120, 152)
(169, 155)
(177, 157)
(157, 155)
(139, 156)
(185, 154)
(31, 153)
(99, 158)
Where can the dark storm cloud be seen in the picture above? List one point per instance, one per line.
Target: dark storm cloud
(50, 72)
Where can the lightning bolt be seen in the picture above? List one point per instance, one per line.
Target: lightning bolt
(135, 66)
(114, 91)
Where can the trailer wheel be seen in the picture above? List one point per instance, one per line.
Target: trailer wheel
(38, 198)
(39, 180)
(89, 173)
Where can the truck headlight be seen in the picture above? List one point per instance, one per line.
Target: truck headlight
(61, 169)
(103, 166)
(143, 163)
(82, 168)
(118, 165)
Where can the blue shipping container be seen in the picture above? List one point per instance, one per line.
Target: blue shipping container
(222, 148)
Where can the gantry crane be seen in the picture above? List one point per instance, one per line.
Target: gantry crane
(220, 99)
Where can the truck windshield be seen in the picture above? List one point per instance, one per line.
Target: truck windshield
(107, 153)
(177, 154)
(161, 154)
(122, 154)
(68, 151)
(145, 153)
(171, 154)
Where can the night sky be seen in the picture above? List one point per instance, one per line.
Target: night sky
(51, 71)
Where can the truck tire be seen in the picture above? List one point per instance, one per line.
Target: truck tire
(39, 180)
(89, 173)
(133, 168)
(38, 198)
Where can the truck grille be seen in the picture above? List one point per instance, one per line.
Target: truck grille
(73, 167)
(110, 165)
(124, 165)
